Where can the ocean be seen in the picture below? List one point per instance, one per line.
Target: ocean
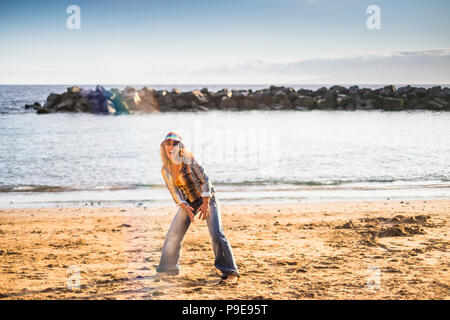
(63, 159)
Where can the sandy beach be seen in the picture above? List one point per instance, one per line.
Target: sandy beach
(342, 250)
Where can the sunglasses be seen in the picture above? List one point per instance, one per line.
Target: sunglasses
(171, 142)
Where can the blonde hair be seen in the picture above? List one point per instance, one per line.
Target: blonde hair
(185, 156)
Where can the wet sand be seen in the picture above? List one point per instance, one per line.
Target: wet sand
(342, 250)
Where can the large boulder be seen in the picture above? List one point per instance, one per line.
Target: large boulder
(81, 105)
(436, 92)
(353, 91)
(339, 90)
(293, 95)
(274, 89)
(326, 103)
(52, 100)
(345, 102)
(331, 94)
(105, 93)
(404, 90)
(304, 102)
(411, 103)
(166, 100)
(282, 101)
(100, 100)
(321, 91)
(36, 106)
(420, 92)
(364, 104)
(95, 106)
(266, 100)
(74, 89)
(392, 104)
(195, 97)
(249, 102)
(388, 91)
(305, 92)
(108, 107)
(283, 104)
(148, 101)
(216, 98)
(438, 104)
(120, 105)
(132, 99)
(180, 103)
(66, 105)
(370, 100)
(446, 91)
(228, 103)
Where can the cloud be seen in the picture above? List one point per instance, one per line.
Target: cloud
(401, 67)
(414, 67)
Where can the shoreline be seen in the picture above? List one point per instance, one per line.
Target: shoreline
(300, 207)
(246, 195)
(291, 251)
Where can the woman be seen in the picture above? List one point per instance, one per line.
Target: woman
(192, 191)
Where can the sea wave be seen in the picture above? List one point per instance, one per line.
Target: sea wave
(270, 184)
(49, 188)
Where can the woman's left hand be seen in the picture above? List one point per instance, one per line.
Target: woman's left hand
(204, 209)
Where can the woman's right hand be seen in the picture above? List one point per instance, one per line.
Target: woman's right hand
(190, 211)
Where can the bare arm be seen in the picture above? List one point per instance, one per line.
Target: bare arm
(176, 195)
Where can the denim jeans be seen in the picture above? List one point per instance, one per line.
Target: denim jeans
(224, 259)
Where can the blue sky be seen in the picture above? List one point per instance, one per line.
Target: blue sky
(234, 41)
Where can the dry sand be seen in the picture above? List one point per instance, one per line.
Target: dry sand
(342, 250)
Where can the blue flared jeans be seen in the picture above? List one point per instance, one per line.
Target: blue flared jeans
(224, 259)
